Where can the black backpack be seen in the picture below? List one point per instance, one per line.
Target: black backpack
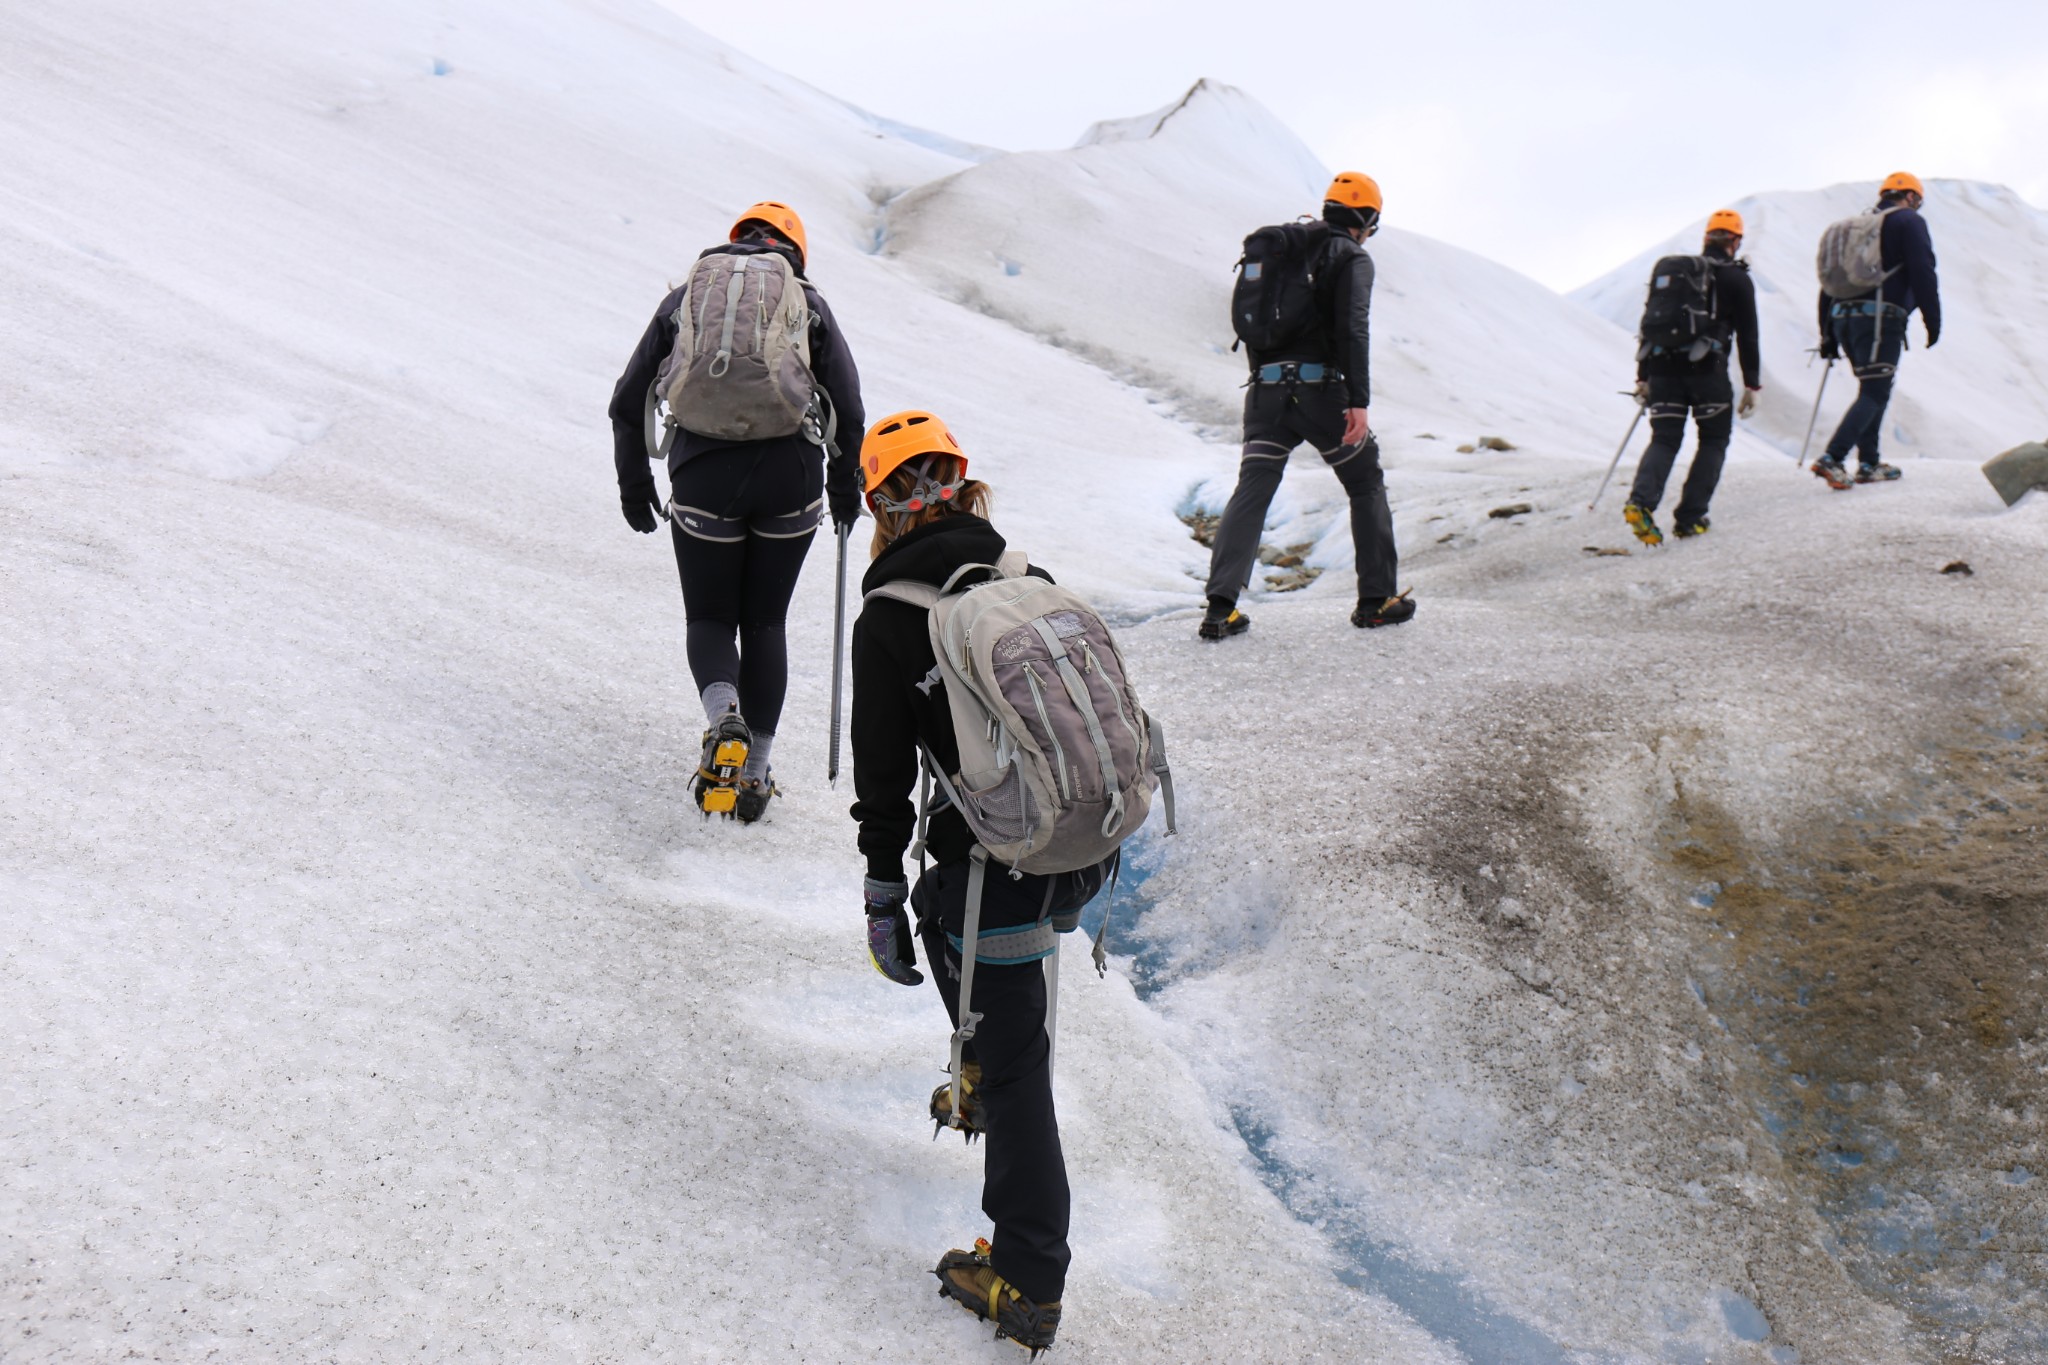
(1274, 301)
(1683, 304)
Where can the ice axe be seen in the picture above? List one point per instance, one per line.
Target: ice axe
(1615, 463)
(838, 652)
(1814, 420)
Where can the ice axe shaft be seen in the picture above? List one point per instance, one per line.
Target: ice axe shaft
(838, 653)
(1619, 451)
(1814, 420)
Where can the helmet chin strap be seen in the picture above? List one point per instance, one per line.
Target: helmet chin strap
(926, 492)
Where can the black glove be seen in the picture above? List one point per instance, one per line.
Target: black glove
(843, 492)
(889, 946)
(1933, 331)
(1829, 348)
(642, 506)
(845, 508)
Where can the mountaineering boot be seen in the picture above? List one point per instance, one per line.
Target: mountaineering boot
(968, 1279)
(1830, 468)
(1876, 473)
(1392, 612)
(751, 801)
(1686, 530)
(970, 1104)
(1642, 523)
(1223, 619)
(718, 770)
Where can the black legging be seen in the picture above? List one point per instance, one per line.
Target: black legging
(744, 520)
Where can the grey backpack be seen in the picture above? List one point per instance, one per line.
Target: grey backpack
(1058, 761)
(1851, 257)
(741, 366)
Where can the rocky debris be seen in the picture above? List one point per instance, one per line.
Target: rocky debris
(1494, 443)
(2019, 471)
(1959, 566)
(1513, 509)
(1273, 557)
(1293, 580)
(1606, 551)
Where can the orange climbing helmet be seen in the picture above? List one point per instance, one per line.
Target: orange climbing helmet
(901, 437)
(1354, 190)
(1725, 220)
(1903, 182)
(779, 216)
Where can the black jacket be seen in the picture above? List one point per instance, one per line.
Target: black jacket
(830, 364)
(1344, 278)
(1908, 253)
(1735, 310)
(892, 714)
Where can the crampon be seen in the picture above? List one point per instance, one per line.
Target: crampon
(970, 1125)
(969, 1280)
(718, 770)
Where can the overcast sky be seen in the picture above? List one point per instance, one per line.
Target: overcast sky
(1560, 139)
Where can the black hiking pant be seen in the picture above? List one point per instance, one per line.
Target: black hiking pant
(1277, 418)
(1706, 393)
(1024, 1173)
(1864, 421)
(742, 519)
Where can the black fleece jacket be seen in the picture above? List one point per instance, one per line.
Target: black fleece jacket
(1909, 254)
(1735, 310)
(1344, 279)
(830, 364)
(892, 714)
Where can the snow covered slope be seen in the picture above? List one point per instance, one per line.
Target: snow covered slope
(1983, 390)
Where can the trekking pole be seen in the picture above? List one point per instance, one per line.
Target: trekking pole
(838, 652)
(1619, 450)
(1814, 420)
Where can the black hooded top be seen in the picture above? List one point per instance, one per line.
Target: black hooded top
(896, 705)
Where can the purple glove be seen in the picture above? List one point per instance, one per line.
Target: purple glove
(889, 946)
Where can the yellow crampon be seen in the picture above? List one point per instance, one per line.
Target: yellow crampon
(970, 1124)
(717, 792)
(967, 1278)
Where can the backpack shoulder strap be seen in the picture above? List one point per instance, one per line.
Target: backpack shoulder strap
(922, 595)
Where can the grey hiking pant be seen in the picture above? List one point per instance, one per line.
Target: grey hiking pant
(1277, 418)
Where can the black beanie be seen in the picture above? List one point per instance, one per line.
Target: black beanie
(1343, 216)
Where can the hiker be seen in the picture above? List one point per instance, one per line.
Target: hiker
(1302, 310)
(756, 378)
(1697, 305)
(931, 522)
(1867, 325)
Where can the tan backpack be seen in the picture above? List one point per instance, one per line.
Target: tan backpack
(741, 366)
